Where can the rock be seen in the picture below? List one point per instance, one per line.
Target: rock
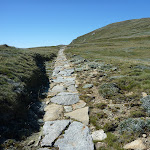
(100, 145)
(79, 69)
(51, 130)
(79, 105)
(68, 108)
(88, 86)
(58, 88)
(76, 137)
(144, 94)
(137, 144)
(144, 135)
(69, 79)
(65, 98)
(56, 70)
(80, 115)
(66, 65)
(31, 143)
(58, 80)
(66, 72)
(53, 112)
(72, 88)
(99, 135)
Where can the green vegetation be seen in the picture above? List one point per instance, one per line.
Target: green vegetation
(135, 126)
(110, 126)
(20, 74)
(119, 56)
(112, 142)
(124, 45)
(109, 90)
(146, 103)
(22, 81)
(101, 105)
(137, 113)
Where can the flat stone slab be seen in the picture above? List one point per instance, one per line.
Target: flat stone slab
(79, 105)
(72, 88)
(77, 137)
(88, 86)
(57, 70)
(65, 98)
(59, 80)
(66, 72)
(80, 115)
(67, 80)
(99, 135)
(68, 108)
(58, 88)
(51, 130)
(53, 112)
(137, 144)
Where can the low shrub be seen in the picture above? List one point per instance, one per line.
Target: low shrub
(137, 113)
(146, 104)
(108, 90)
(111, 126)
(134, 125)
(112, 142)
(101, 105)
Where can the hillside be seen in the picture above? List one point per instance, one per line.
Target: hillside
(23, 81)
(115, 59)
(137, 28)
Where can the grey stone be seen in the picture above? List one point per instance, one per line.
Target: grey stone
(59, 80)
(77, 137)
(137, 144)
(72, 88)
(79, 69)
(80, 115)
(68, 80)
(65, 98)
(58, 88)
(51, 130)
(88, 86)
(68, 108)
(66, 72)
(56, 70)
(53, 112)
(79, 105)
(69, 83)
(100, 145)
(99, 135)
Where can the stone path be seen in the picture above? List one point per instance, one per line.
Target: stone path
(66, 116)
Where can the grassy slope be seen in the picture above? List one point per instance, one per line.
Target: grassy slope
(125, 45)
(21, 73)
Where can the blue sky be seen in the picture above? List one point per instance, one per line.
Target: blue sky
(31, 23)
